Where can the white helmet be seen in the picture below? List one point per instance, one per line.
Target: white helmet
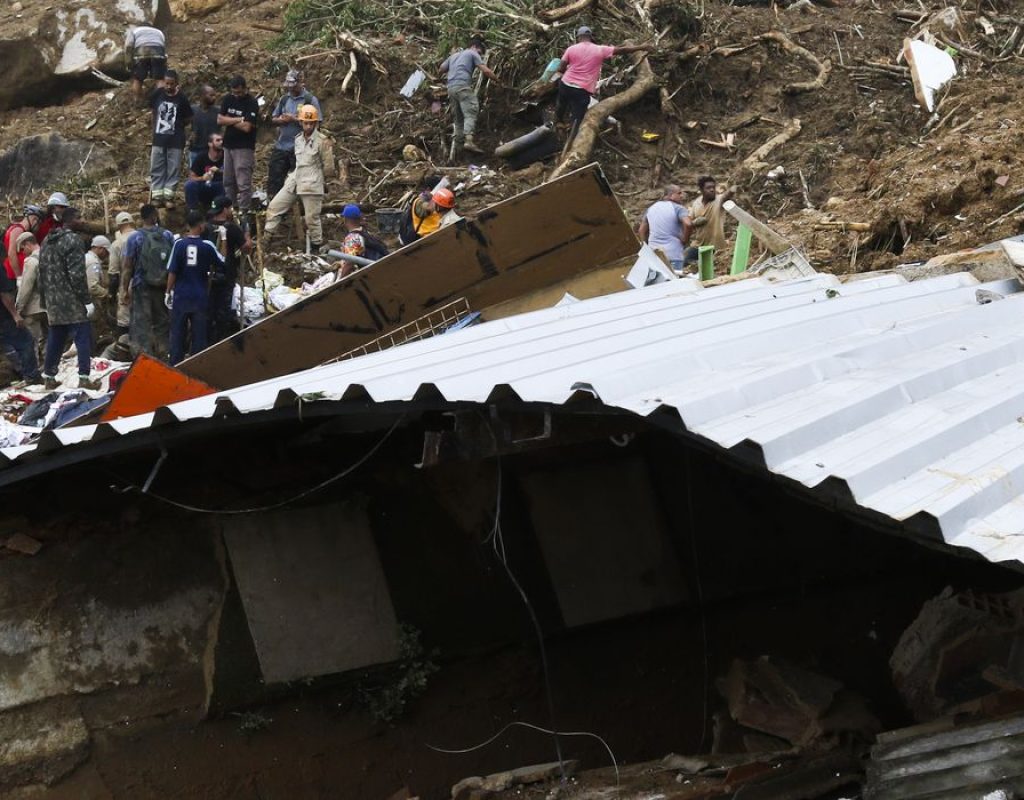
(58, 199)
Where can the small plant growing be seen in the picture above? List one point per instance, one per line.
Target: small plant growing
(387, 702)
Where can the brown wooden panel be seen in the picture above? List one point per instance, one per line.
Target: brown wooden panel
(513, 248)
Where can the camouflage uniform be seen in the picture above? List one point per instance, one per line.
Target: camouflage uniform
(65, 293)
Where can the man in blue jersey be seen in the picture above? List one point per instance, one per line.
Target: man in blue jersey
(192, 260)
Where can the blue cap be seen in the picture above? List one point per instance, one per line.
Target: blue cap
(351, 211)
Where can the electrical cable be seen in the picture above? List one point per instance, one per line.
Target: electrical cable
(129, 487)
(700, 601)
(495, 737)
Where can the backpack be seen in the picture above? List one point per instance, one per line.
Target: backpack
(151, 262)
(408, 228)
(375, 248)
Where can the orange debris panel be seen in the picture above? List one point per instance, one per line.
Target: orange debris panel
(149, 384)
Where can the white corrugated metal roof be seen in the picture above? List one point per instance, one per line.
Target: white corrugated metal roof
(910, 394)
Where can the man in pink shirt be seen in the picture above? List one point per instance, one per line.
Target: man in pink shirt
(581, 69)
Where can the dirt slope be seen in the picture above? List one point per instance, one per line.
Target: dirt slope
(862, 149)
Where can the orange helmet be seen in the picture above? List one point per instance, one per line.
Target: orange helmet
(307, 113)
(444, 198)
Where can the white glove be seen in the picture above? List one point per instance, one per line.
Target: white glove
(169, 299)
(90, 310)
(222, 232)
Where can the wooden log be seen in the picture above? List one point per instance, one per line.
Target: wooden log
(585, 139)
(859, 227)
(755, 161)
(774, 241)
(556, 14)
(823, 67)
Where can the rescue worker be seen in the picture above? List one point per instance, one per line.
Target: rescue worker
(459, 67)
(708, 218)
(14, 259)
(428, 214)
(54, 217)
(29, 302)
(145, 258)
(65, 295)
(285, 115)
(99, 251)
(118, 279)
(233, 243)
(145, 56)
(314, 164)
(666, 226)
(358, 241)
(581, 69)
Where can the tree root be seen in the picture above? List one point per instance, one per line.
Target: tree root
(557, 14)
(824, 68)
(586, 138)
(755, 161)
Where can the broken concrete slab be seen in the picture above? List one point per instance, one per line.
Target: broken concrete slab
(930, 70)
(23, 543)
(480, 788)
(940, 661)
(41, 743)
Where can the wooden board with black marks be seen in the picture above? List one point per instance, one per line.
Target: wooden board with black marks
(533, 240)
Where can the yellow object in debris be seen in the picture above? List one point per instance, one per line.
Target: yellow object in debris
(649, 136)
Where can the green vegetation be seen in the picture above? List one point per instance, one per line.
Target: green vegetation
(386, 702)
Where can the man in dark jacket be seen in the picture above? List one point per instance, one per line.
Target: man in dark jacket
(65, 296)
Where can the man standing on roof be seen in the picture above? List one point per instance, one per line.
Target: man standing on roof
(238, 113)
(314, 164)
(14, 259)
(286, 116)
(54, 217)
(118, 279)
(145, 255)
(459, 68)
(65, 295)
(581, 69)
(666, 226)
(145, 56)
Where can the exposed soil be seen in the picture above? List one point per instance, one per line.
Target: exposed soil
(862, 149)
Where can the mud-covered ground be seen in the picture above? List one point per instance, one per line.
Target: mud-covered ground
(863, 150)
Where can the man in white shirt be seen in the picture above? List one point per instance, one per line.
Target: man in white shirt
(666, 226)
(145, 56)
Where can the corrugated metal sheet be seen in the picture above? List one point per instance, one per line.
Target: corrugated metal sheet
(907, 396)
(981, 761)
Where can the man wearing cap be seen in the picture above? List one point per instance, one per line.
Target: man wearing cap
(581, 69)
(358, 241)
(15, 340)
(285, 115)
(459, 68)
(29, 303)
(65, 294)
(119, 276)
(14, 259)
(98, 252)
(232, 242)
(54, 216)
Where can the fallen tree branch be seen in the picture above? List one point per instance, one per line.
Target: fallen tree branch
(556, 14)
(583, 145)
(755, 161)
(823, 67)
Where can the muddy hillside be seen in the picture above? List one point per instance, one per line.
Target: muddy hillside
(807, 108)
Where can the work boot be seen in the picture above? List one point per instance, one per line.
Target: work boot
(471, 146)
(85, 382)
(50, 383)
